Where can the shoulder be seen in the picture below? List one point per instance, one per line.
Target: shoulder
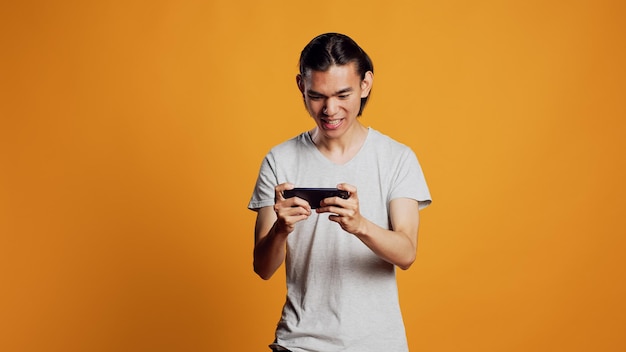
(385, 144)
(289, 145)
(289, 151)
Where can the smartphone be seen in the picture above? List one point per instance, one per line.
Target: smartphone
(315, 195)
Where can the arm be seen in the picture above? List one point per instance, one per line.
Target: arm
(273, 225)
(397, 246)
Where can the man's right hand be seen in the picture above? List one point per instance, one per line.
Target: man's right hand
(273, 225)
(289, 211)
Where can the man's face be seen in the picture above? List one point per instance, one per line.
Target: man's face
(333, 97)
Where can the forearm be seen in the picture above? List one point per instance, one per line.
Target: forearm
(273, 225)
(396, 247)
(269, 253)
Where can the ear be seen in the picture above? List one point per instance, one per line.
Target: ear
(366, 84)
(300, 83)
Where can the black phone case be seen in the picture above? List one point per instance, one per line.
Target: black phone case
(315, 195)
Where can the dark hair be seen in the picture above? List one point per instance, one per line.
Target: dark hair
(330, 49)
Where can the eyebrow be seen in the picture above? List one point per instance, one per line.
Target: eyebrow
(339, 92)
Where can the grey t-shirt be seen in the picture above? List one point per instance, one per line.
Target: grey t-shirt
(340, 295)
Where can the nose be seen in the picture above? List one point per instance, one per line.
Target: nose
(331, 107)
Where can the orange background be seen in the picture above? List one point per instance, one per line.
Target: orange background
(132, 131)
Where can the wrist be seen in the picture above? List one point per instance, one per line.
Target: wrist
(280, 230)
(363, 230)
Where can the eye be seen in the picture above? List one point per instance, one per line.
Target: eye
(344, 96)
(315, 97)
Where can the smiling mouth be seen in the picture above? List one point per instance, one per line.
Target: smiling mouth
(332, 124)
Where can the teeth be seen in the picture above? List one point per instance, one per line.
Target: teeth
(334, 122)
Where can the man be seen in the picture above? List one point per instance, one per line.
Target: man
(340, 258)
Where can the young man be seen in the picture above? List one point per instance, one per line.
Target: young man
(340, 258)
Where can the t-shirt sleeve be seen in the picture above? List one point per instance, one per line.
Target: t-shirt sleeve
(409, 181)
(263, 194)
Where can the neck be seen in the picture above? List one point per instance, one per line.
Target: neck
(342, 148)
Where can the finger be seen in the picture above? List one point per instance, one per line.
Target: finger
(291, 203)
(296, 202)
(337, 202)
(278, 190)
(348, 187)
(343, 222)
(291, 207)
(293, 212)
(290, 220)
(332, 209)
(334, 218)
